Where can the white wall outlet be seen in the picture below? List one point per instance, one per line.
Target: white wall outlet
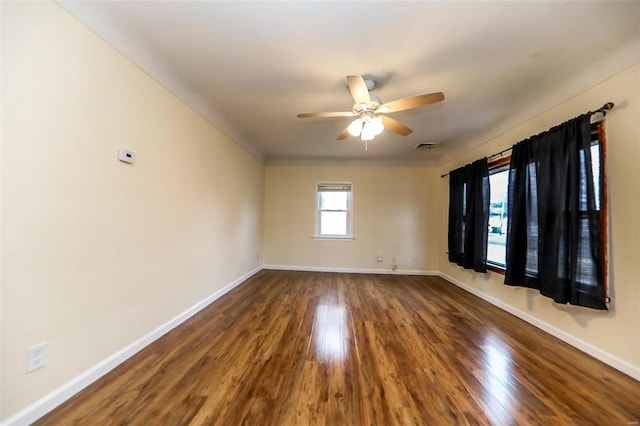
(394, 260)
(36, 357)
(414, 259)
(380, 258)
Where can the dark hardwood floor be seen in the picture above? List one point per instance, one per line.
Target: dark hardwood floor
(299, 348)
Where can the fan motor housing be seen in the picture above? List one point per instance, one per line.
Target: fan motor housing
(375, 103)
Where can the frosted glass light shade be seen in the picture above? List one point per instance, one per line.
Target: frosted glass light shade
(376, 125)
(367, 132)
(355, 128)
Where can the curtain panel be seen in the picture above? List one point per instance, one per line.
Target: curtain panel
(554, 238)
(469, 215)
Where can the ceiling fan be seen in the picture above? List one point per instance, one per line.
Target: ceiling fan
(370, 111)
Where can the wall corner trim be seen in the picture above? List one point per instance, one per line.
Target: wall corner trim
(63, 393)
(609, 359)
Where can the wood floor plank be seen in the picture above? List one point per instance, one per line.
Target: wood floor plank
(316, 348)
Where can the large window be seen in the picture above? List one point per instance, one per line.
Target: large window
(334, 210)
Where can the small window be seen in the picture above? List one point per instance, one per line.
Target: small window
(497, 240)
(334, 210)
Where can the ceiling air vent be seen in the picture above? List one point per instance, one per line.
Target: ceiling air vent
(426, 145)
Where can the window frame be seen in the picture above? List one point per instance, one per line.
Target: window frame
(598, 129)
(349, 211)
(494, 167)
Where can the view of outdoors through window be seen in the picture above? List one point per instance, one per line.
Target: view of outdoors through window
(595, 169)
(333, 213)
(497, 241)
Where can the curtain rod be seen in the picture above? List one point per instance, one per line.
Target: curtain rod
(603, 109)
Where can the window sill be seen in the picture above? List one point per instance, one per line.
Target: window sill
(495, 268)
(328, 238)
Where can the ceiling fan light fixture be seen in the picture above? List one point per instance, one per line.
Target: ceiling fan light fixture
(367, 107)
(368, 131)
(355, 128)
(376, 125)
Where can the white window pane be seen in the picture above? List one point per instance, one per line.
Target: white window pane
(333, 200)
(333, 223)
(595, 169)
(497, 241)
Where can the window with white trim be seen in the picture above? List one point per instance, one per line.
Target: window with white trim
(334, 210)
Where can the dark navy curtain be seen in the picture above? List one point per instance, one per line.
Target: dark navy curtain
(469, 215)
(554, 237)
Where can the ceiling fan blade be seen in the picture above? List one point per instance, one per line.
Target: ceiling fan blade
(343, 135)
(395, 126)
(327, 114)
(358, 89)
(411, 102)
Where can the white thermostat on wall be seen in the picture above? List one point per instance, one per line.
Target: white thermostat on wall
(127, 156)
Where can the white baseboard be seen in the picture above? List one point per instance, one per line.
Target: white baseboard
(49, 402)
(350, 270)
(609, 359)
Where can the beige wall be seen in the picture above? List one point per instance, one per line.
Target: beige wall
(395, 214)
(97, 253)
(616, 332)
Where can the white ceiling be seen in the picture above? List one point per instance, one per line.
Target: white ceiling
(250, 67)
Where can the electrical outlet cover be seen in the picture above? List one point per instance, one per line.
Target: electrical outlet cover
(36, 357)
